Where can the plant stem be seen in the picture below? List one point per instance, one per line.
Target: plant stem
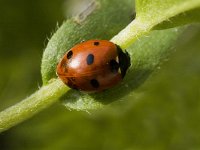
(131, 33)
(25, 109)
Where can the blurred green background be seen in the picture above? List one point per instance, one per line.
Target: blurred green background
(165, 115)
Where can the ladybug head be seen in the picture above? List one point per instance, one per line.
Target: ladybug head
(124, 61)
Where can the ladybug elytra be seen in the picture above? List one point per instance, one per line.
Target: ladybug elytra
(93, 66)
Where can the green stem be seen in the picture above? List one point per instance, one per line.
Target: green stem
(25, 109)
(131, 33)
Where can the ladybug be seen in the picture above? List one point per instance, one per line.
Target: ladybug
(93, 66)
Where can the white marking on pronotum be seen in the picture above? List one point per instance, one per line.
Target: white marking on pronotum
(86, 10)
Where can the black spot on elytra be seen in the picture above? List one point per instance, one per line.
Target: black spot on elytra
(114, 66)
(96, 43)
(69, 54)
(90, 59)
(94, 83)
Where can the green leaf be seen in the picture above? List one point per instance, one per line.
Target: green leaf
(146, 53)
(156, 11)
(101, 19)
(192, 16)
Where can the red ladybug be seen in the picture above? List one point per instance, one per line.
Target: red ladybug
(93, 66)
